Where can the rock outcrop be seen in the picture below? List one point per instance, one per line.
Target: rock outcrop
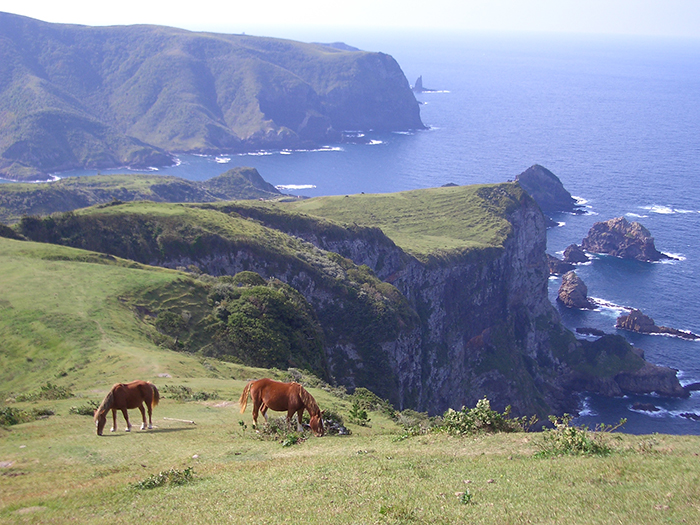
(624, 239)
(574, 254)
(573, 292)
(547, 190)
(638, 322)
(557, 266)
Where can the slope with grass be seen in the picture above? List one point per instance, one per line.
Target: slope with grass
(18, 200)
(448, 306)
(92, 97)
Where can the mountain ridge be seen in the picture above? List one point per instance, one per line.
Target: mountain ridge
(96, 97)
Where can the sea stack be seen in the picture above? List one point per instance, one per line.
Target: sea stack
(573, 292)
(624, 239)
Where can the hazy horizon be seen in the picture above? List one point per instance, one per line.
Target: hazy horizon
(672, 18)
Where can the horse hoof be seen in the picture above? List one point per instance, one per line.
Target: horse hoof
(150, 427)
(112, 429)
(143, 427)
(128, 429)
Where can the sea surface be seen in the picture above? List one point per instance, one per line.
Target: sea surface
(617, 119)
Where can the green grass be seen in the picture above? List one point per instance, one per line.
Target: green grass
(430, 221)
(60, 471)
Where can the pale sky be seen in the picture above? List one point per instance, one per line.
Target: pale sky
(628, 17)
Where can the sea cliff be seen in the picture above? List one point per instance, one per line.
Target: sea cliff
(427, 328)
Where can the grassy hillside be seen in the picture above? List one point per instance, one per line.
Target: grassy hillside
(77, 96)
(70, 193)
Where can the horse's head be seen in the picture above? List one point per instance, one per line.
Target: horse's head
(316, 424)
(100, 421)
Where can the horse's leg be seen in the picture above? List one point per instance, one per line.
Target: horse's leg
(150, 423)
(263, 411)
(114, 420)
(126, 416)
(300, 412)
(143, 416)
(256, 407)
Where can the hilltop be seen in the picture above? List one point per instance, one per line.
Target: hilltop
(94, 97)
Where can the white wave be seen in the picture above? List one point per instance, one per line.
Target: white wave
(677, 256)
(561, 224)
(580, 201)
(585, 408)
(178, 161)
(255, 153)
(222, 160)
(375, 142)
(285, 152)
(660, 413)
(680, 210)
(403, 132)
(636, 215)
(602, 304)
(663, 210)
(295, 186)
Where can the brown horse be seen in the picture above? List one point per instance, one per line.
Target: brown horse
(124, 396)
(277, 396)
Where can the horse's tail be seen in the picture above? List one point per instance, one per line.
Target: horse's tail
(309, 401)
(243, 401)
(156, 395)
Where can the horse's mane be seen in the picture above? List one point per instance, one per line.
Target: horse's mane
(308, 401)
(107, 402)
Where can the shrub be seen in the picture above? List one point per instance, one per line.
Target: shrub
(185, 393)
(358, 415)
(48, 391)
(88, 409)
(567, 439)
(483, 419)
(166, 477)
(11, 416)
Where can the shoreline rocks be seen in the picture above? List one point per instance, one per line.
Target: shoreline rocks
(624, 239)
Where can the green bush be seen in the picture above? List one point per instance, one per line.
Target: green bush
(48, 391)
(185, 393)
(482, 419)
(566, 439)
(358, 415)
(88, 409)
(166, 477)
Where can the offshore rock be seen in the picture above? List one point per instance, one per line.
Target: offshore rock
(573, 292)
(624, 239)
(547, 190)
(638, 322)
(574, 254)
(557, 266)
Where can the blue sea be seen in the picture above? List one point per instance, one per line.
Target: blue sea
(617, 119)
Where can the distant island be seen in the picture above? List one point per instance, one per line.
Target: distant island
(104, 97)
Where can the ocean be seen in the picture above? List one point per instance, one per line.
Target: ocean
(617, 119)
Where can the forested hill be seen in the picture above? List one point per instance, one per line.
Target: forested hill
(95, 97)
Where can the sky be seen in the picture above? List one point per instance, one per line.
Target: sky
(676, 18)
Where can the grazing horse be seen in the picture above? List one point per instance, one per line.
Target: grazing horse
(277, 396)
(124, 396)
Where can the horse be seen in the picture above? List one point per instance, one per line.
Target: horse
(279, 397)
(123, 396)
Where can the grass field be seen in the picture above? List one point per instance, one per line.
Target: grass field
(65, 320)
(58, 471)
